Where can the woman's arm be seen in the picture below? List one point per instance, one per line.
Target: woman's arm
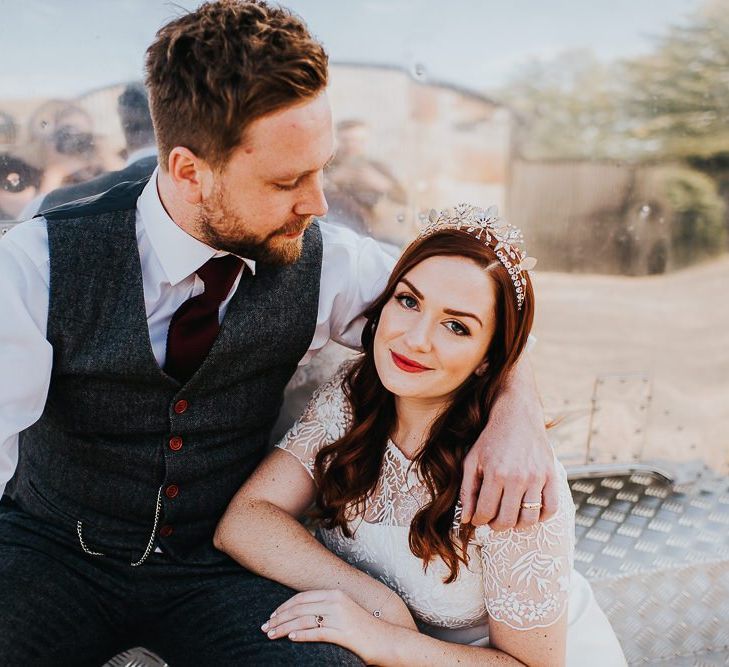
(376, 642)
(545, 647)
(526, 580)
(260, 530)
(411, 648)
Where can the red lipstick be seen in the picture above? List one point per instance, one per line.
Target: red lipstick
(408, 365)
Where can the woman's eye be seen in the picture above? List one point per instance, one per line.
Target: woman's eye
(407, 301)
(457, 328)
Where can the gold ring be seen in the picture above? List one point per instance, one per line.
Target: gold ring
(531, 506)
(319, 620)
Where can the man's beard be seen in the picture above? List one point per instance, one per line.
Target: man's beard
(215, 219)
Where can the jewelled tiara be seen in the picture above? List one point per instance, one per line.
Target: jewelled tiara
(485, 224)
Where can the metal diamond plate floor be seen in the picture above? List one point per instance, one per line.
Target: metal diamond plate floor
(657, 555)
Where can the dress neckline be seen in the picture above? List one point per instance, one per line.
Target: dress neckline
(391, 444)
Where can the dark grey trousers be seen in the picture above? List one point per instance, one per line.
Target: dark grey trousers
(59, 606)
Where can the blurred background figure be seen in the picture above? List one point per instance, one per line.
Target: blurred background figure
(8, 129)
(19, 179)
(64, 134)
(362, 193)
(140, 153)
(136, 123)
(19, 182)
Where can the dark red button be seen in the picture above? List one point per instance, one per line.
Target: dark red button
(166, 531)
(176, 443)
(181, 406)
(172, 490)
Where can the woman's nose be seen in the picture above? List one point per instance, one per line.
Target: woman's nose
(419, 336)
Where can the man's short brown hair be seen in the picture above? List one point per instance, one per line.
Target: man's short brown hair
(212, 72)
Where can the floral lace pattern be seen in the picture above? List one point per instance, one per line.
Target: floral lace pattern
(527, 572)
(517, 577)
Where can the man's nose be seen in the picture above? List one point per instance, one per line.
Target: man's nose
(313, 202)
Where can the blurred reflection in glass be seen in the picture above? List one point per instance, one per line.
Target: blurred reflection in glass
(19, 172)
(19, 182)
(63, 132)
(362, 193)
(140, 151)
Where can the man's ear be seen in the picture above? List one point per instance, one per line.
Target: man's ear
(190, 174)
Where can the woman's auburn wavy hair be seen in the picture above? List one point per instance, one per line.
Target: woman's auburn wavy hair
(347, 471)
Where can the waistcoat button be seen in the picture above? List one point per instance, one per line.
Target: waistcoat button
(176, 443)
(172, 490)
(181, 406)
(166, 531)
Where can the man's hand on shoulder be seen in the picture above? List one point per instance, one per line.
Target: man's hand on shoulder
(512, 461)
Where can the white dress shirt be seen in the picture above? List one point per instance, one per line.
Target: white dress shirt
(353, 273)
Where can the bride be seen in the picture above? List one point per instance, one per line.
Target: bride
(393, 576)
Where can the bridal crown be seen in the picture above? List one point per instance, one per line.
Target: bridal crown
(485, 224)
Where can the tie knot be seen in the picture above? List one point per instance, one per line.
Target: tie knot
(219, 274)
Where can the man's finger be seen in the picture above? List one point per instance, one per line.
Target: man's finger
(509, 509)
(489, 498)
(550, 497)
(530, 517)
(469, 490)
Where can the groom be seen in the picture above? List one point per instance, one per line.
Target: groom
(146, 339)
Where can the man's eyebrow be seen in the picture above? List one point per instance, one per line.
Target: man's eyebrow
(300, 174)
(447, 311)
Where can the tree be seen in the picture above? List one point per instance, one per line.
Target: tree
(567, 108)
(678, 98)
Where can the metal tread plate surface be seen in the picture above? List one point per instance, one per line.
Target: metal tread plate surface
(657, 555)
(626, 524)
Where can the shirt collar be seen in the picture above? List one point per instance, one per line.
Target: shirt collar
(180, 254)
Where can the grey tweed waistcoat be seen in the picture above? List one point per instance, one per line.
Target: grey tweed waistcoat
(123, 455)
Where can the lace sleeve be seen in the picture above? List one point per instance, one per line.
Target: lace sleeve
(326, 418)
(527, 572)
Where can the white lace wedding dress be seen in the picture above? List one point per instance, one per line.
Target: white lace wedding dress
(524, 579)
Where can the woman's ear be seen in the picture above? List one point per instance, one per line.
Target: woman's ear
(481, 370)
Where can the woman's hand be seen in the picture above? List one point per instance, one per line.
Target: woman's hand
(330, 616)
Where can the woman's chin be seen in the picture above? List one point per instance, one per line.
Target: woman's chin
(405, 385)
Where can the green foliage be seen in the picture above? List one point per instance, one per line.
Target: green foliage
(697, 225)
(679, 96)
(673, 103)
(566, 108)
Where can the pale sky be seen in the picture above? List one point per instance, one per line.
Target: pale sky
(66, 47)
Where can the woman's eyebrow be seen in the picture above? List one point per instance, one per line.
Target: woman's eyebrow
(447, 311)
(459, 313)
(415, 290)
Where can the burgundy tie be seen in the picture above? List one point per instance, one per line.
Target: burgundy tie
(194, 326)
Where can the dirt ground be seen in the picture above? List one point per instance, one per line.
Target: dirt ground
(636, 367)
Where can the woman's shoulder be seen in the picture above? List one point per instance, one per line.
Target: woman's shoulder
(326, 418)
(335, 387)
(329, 406)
